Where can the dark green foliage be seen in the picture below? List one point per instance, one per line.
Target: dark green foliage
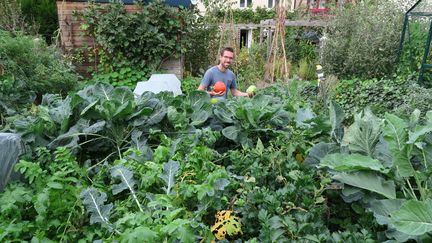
(250, 65)
(189, 84)
(144, 38)
(29, 67)
(417, 97)
(160, 167)
(381, 95)
(44, 14)
(247, 15)
(48, 207)
(384, 166)
(197, 57)
(126, 76)
(411, 55)
(297, 47)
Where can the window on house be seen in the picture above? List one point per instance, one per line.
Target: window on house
(245, 38)
(270, 4)
(244, 2)
(322, 4)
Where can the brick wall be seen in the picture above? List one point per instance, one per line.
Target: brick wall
(72, 38)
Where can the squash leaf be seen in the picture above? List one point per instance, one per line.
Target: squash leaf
(414, 217)
(351, 162)
(369, 181)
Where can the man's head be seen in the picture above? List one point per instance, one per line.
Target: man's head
(226, 57)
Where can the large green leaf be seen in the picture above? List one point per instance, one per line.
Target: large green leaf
(93, 201)
(253, 117)
(61, 113)
(139, 141)
(413, 217)
(222, 112)
(383, 208)
(95, 128)
(88, 108)
(395, 135)
(231, 132)
(170, 170)
(122, 95)
(177, 119)
(159, 110)
(197, 99)
(103, 91)
(363, 134)
(392, 233)
(280, 119)
(369, 181)
(142, 232)
(199, 117)
(70, 139)
(382, 153)
(418, 132)
(319, 151)
(98, 91)
(124, 110)
(336, 118)
(304, 115)
(351, 194)
(126, 179)
(351, 162)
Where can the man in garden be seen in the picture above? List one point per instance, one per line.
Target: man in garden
(221, 73)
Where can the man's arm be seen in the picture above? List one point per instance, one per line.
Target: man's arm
(201, 87)
(236, 92)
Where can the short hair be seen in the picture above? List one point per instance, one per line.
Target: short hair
(230, 49)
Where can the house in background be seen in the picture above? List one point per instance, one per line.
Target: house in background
(240, 4)
(324, 7)
(245, 30)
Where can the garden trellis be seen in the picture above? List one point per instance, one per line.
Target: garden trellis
(418, 16)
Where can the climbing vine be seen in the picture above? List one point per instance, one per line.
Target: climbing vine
(144, 38)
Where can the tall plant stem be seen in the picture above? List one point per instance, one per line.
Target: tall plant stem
(411, 190)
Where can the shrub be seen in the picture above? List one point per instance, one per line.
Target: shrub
(306, 69)
(382, 95)
(202, 51)
(250, 64)
(29, 66)
(362, 41)
(126, 76)
(417, 97)
(298, 47)
(189, 84)
(144, 38)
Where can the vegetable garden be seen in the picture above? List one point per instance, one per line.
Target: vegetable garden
(348, 160)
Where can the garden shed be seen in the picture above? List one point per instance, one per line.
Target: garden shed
(72, 37)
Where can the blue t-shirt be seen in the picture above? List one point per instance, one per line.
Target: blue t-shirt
(213, 75)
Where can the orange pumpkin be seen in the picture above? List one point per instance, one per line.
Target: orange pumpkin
(219, 87)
